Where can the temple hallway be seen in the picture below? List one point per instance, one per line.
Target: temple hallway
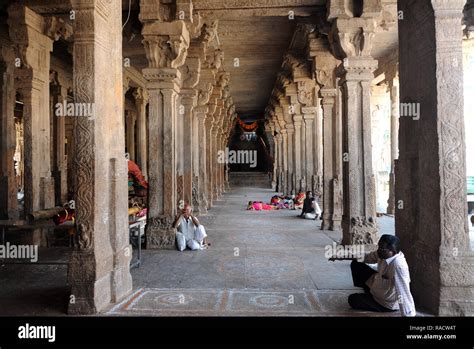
(260, 263)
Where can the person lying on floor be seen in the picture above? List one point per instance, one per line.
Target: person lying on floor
(260, 206)
(190, 233)
(311, 209)
(387, 289)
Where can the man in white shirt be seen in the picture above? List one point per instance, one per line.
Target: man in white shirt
(190, 231)
(387, 288)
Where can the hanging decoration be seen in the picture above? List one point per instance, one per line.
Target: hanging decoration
(247, 127)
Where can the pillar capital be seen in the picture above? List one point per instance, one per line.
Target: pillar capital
(166, 44)
(352, 37)
(309, 112)
(358, 68)
(141, 95)
(448, 7)
(191, 72)
(189, 96)
(163, 78)
(328, 95)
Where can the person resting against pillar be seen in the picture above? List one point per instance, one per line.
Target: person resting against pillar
(311, 209)
(387, 289)
(190, 233)
(140, 185)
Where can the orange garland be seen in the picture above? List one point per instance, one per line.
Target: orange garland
(248, 127)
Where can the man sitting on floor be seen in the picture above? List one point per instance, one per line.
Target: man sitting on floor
(311, 208)
(388, 288)
(190, 232)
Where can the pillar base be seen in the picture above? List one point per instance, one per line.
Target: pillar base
(160, 234)
(327, 221)
(359, 230)
(90, 292)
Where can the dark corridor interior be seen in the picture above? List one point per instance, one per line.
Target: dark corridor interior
(249, 143)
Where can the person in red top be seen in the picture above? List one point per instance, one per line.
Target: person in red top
(139, 182)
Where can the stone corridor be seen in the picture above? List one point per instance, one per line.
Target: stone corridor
(260, 262)
(115, 114)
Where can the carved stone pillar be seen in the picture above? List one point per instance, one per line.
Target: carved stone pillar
(431, 171)
(394, 99)
(130, 118)
(141, 100)
(325, 65)
(200, 113)
(59, 96)
(290, 132)
(99, 267)
(285, 166)
(164, 85)
(328, 101)
(32, 80)
(359, 220)
(318, 150)
(309, 114)
(189, 100)
(209, 158)
(8, 185)
(356, 72)
(297, 121)
(279, 161)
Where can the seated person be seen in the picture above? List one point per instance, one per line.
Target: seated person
(311, 208)
(388, 288)
(190, 233)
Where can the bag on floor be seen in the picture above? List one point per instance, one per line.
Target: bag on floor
(180, 241)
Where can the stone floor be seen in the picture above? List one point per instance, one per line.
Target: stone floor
(260, 263)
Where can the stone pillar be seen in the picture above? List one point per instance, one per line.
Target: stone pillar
(359, 219)
(290, 132)
(141, 101)
(200, 113)
(59, 94)
(32, 79)
(164, 85)
(221, 166)
(131, 118)
(209, 158)
(8, 185)
(302, 181)
(285, 165)
(189, 100)
(430, 186)
(279, 161)
(297, 121)
(99, 265)
(309, 114)
(356, 72)
(325, 65)
(318, 150)
(328, 101)
(394, 99)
